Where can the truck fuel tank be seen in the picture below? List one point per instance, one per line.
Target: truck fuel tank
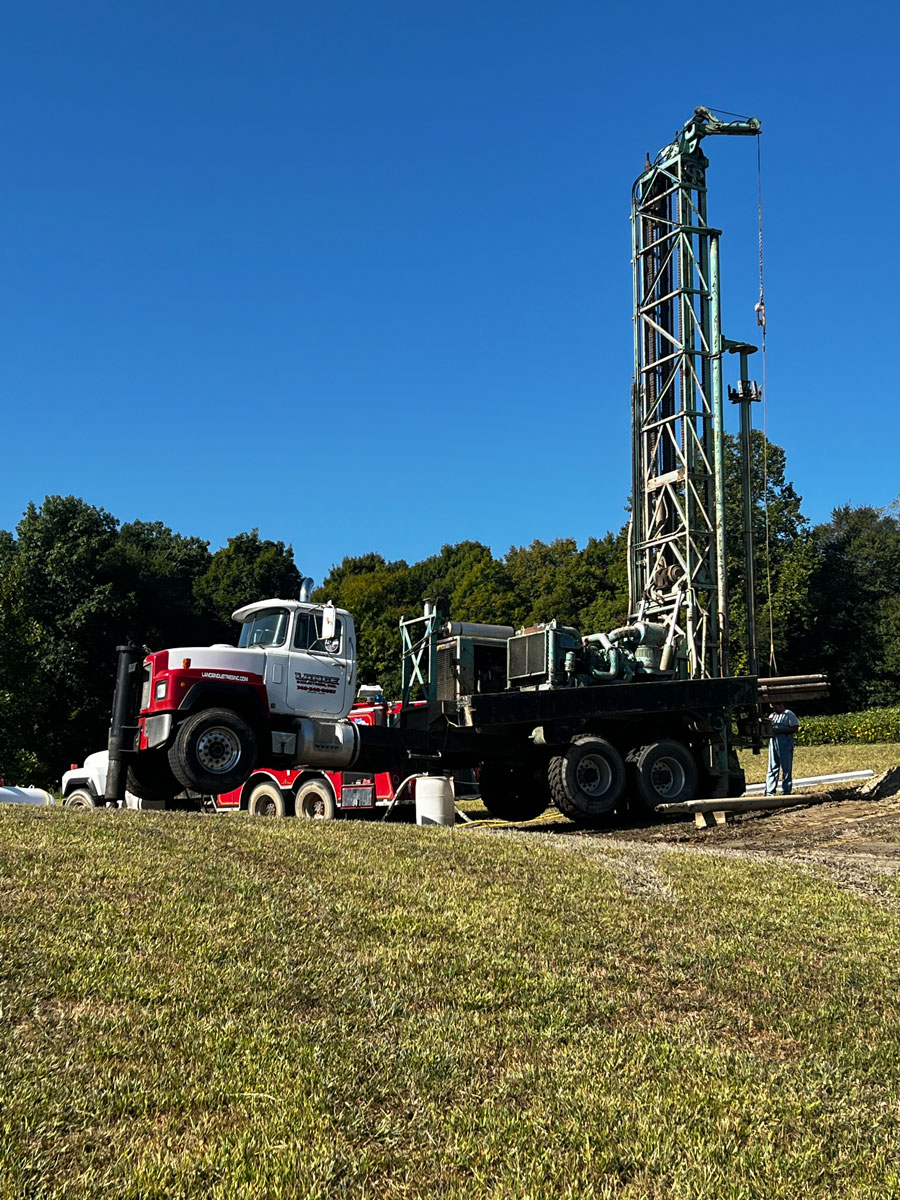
(331, 744)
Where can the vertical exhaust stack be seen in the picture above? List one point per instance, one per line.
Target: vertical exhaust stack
(122, 727)
(307, 587)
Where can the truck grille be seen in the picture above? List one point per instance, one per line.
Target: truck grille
(446, 672)
(527, 655)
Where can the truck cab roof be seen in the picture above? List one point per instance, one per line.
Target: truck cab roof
(247, 610)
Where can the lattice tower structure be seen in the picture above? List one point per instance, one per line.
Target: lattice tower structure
(677, 549)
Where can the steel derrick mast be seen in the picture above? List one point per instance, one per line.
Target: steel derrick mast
(677, 551)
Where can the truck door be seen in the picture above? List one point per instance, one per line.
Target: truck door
(268, 630)
(318, 669)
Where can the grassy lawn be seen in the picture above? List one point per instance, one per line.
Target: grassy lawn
(203, 1006)
(827, 760)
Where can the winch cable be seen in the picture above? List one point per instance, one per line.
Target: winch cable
(761, 321)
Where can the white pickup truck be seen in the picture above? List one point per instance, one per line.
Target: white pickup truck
(85, 786)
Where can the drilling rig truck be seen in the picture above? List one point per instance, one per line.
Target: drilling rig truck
(648, 712)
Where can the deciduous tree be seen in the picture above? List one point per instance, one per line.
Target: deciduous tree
(249, 568)
(856, 631)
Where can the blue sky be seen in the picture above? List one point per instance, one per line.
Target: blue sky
(357, 274)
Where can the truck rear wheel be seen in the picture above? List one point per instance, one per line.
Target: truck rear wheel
(315, 801)
(663, 773)
(214, 751)
(150, 777)
(588, 780)
(266, 800)
(513, 793)
(79, 798)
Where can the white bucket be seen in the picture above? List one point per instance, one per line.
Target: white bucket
(434, 800)
(26, 795)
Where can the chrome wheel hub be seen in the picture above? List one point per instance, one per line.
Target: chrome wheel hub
(218, 750)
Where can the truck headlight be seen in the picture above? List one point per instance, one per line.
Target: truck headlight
(160, 690)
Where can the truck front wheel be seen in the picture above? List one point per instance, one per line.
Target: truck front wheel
(513, 793)
(663, 773)
(588, 780)
(214, 751)
(80, 798)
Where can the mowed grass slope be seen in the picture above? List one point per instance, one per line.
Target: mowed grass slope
(199, 1006)
(810, 761)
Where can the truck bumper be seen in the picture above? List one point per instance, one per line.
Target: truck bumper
(157, 729)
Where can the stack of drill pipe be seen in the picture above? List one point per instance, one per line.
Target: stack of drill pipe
(784, 689)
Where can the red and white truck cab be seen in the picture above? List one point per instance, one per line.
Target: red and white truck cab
(201, 717)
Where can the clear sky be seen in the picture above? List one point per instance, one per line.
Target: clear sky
(357, 273)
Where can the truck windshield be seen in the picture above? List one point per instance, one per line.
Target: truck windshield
(265, 628)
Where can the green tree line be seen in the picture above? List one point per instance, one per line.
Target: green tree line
(75, 582)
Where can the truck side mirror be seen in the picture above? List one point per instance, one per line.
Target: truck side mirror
(329, 622)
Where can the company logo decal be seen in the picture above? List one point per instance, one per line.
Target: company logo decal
(316, 683)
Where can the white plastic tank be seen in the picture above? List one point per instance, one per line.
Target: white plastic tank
(434, 800)
(24, 795)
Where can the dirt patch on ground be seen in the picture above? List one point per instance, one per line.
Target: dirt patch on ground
(851, 828)
(854, 841)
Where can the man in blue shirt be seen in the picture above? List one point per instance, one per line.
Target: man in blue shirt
(781, 750)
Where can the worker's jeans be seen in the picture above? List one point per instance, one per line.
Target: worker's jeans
(781, 758)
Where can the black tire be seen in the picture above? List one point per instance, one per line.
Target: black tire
(80, 798)
(587, 782)
(315, 801)
(662, 773)
(266, 799)
(513, 793)
(214, 751)
(150, 777)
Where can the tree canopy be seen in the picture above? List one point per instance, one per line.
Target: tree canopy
(854, 609)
